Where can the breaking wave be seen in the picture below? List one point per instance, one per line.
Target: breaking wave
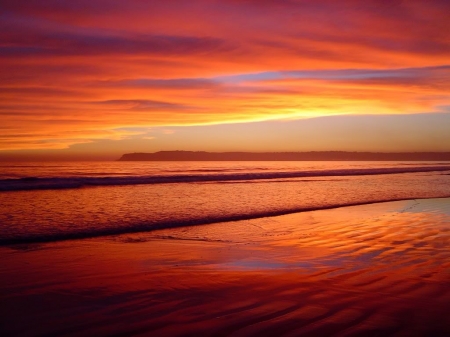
(38, 183)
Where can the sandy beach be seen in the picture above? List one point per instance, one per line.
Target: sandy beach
(224, 168)
(372, 270)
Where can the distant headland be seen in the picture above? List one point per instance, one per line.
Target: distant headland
(285, 156)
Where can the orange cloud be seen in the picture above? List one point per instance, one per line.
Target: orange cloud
(77, 72)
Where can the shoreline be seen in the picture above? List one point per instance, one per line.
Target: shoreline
(351, 271)
(190, 223)
(285, 156)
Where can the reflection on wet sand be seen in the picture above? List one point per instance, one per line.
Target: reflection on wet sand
(379, 269)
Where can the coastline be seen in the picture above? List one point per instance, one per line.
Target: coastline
(358, 270)
(285, 156)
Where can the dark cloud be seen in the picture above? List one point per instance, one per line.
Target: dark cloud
(56, 44)
(176, 83)
(39, 7)
(42, 91)
(140, 104)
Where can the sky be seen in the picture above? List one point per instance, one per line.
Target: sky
(98, 78)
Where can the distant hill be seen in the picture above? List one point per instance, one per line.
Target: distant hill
(284, 156)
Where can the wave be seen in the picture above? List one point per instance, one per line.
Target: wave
(37, 183)
(141, 228)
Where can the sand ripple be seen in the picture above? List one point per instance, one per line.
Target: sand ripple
(377, 270)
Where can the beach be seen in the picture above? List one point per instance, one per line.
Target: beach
(224, 168)
(373, 270)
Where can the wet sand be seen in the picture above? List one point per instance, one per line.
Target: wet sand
(373, 270)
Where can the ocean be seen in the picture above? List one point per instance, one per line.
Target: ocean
(45, 202)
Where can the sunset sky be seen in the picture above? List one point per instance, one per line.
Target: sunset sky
(98, 78)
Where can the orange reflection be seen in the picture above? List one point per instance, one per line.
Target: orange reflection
(355, 269)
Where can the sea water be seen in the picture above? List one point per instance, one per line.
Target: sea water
(41, 202)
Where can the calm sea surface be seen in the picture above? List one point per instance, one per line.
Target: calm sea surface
(54, 201)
